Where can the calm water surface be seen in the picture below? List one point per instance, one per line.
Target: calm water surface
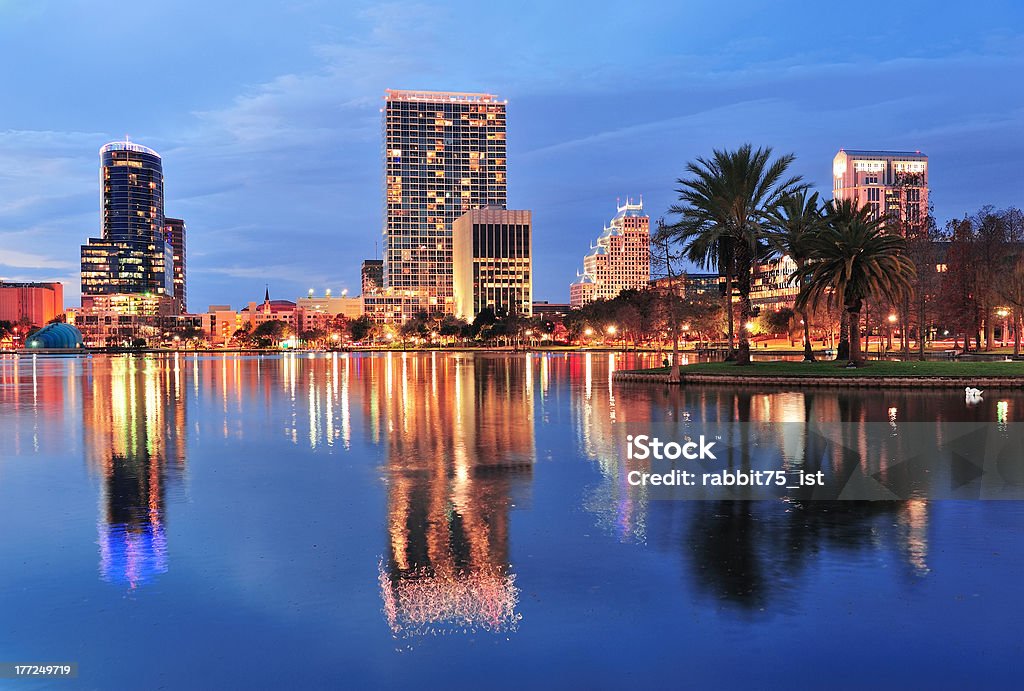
(461, 520)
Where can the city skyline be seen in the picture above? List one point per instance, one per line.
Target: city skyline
(301, 120)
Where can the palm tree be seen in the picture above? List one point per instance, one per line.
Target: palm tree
(853, 259)
(724, 205)
(793, 222)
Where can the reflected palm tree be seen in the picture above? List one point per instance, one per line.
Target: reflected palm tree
(755, 555)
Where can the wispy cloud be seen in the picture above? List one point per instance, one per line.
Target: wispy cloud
(27, 260)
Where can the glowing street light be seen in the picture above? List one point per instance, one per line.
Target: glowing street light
(1003, 313)
(611, 330)
(893, 318)
(749, 326)
(586, 332)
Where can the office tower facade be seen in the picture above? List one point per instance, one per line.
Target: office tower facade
(492, 262)
(893, 184)
(444, 155)
(174, 232)
(132, 254)
(621, 259)
(372, 275)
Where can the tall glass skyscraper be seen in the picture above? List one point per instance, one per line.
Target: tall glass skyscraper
(174, 233)
(444, 155)
(132, 255)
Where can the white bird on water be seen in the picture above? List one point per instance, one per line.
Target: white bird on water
(973, 395)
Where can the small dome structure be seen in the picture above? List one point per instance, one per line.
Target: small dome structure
(56, 337)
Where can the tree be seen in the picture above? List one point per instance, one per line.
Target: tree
(1011, 289)
(269, 334)
(662, 254)
(919, 306)
(360, 328)
(794, 221)
(243, 336)
(958, 282)
(776, 322)
(188, 334)
(851, 260)
(724, 208)
(482, 322)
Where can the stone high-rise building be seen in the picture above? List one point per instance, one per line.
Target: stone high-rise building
(621, 259)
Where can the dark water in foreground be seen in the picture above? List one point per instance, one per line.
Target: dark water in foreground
(432, 520)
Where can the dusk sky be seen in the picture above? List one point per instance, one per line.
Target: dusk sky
(267, 115)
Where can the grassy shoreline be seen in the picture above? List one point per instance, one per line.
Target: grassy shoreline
(813, 370)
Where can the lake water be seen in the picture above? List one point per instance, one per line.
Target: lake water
(462, 520)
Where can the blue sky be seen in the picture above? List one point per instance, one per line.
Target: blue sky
(268, 117)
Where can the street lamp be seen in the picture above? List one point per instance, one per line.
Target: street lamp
(1003, 314)
(611, 330)
(892, 322)
(586, 332)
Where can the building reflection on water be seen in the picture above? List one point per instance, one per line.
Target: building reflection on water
(458, 434)
(135, 437)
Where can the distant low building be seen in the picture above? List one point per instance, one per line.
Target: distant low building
(124, 321)
(771, 286)
(391, 306)
(55, 337)
(692, 286)
(551, 311)
(35, 303)
(315, 312)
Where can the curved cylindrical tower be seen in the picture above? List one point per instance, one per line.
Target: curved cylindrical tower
(132, 254)
(132, 192)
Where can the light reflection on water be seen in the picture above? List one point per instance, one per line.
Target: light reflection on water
(451, 495)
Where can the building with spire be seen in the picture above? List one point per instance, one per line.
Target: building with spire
(619, 260)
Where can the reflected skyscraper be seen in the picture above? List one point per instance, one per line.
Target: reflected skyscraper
(456, 462)
(134, 421)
